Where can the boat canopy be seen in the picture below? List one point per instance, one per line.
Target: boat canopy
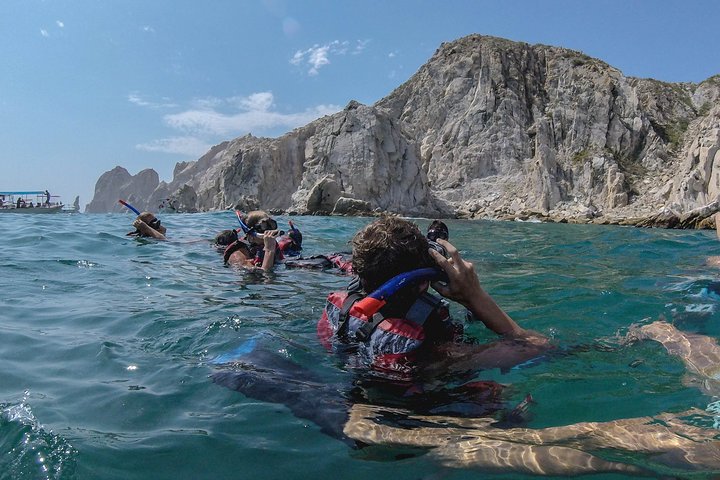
(36, 192)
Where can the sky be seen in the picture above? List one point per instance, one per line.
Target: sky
(87, 85)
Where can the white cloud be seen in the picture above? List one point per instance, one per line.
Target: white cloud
(318, 56)
(44, 33)
(60, 23)
(134, 98)
(360, 46)
(247, 114)
(190, 146)
(212, 119)
(148, 28)
(138, 100)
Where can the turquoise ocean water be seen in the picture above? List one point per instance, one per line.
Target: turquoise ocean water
(107, 342)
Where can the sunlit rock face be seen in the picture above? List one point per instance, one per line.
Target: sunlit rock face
(486, 128)
(119, 184)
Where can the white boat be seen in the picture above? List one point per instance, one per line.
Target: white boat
(30, 202)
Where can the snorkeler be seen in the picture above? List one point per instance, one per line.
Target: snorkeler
(148, 225)
(414, 324)
(258, 248)
(225, 238)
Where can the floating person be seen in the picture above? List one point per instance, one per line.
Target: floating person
(258, 248)
(391, 333)
(225, 238)
(290, 243)
(146, 224)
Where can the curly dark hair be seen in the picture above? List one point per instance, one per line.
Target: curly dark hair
(387, 247)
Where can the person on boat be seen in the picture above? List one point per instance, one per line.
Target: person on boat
(258, 248)
(20, 203)
(47, 197)
(148, 225)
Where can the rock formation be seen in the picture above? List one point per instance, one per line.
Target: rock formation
(486, 128)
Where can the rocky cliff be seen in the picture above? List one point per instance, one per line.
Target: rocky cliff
(486, 128)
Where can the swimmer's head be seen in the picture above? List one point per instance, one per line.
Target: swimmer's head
(152, 221)
(386, 248)
(226, 237)
(438, 229)
(295, 236)
(259, 221)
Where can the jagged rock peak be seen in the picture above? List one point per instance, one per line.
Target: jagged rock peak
(490, 128)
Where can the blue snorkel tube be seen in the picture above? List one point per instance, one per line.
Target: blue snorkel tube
(247, 230)
(370, 305)
(123, 202)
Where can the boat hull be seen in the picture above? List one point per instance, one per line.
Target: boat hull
(33, 210)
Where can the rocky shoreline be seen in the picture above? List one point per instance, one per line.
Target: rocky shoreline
(487, 128)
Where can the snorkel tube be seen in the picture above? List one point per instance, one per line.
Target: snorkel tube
(123, 202)
(250, 231)
(244, 227)
(370, 305)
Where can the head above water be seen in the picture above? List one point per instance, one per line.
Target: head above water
(295, 236)
(152, 221)
(259, 221)
(226, 237)
(438, 229)
(388, 247)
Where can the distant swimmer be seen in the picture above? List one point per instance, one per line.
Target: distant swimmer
(259, 247)
(148, 225)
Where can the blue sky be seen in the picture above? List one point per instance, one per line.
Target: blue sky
(86, 85)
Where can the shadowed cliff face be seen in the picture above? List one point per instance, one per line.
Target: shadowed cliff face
(486, 128)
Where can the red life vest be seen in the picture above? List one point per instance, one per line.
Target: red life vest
(386, 344)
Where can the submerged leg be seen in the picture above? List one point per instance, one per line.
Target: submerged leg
(700, 353)
(268, 377)
(462, 442)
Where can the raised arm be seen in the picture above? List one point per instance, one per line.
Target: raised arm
(146, 230)
(464, 287)
(269, 246)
